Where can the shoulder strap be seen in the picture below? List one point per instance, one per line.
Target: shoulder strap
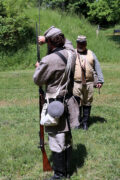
(62, 57)
(82, 69)
(69, 71)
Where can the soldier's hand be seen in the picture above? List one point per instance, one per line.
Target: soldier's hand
(41, 40)
(37, 64)
(99, 85)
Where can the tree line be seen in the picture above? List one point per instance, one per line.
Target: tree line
(96, 11)
(15, 25)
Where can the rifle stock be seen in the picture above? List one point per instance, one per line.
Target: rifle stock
(46, 163)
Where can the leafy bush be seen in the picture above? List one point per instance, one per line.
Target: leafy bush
(14, 32)
(79, 7)
(15, 27)
(98, 11)
(104, 12)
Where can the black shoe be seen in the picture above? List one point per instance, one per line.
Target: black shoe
(57, 176)
(68, 159)
(77, 127)
(86, 115)
(85, 127)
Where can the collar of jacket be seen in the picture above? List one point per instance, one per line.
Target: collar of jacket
(57, 49)
(83, 53)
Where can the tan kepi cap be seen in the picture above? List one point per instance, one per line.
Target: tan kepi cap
(81, 38)
(52, 32)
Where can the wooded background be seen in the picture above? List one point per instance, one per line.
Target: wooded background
(16, 25)
(96, 153)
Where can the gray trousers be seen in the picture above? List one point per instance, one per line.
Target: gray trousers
(59, 142)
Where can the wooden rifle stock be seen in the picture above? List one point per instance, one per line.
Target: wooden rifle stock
(46, 164)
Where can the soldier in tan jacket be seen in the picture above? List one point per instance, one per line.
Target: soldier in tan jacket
(50, 72)
(86, 66)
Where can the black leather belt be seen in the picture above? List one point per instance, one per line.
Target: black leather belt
(54, 99)
(61, 98)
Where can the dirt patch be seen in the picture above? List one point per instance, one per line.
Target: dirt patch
(18, 102)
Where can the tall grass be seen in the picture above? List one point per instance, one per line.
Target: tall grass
(105, 47)
(96, 152)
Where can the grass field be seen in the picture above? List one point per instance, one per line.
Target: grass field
(96, 153)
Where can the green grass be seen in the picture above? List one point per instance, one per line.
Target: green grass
(96, 152)
(105, 47)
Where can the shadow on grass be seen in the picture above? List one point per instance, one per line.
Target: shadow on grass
(95, 119)
(78, 157)
(115, 38)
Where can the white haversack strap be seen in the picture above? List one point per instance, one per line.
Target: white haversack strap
(65, 74)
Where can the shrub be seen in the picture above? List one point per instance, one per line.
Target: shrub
(15, 26)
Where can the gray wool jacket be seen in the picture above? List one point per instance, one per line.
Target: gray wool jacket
(49, 73)
(97, 69)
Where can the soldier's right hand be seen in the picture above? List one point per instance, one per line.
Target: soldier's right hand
(41, 40)
(99, 85)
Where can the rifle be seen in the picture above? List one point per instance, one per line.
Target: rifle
(46, 164)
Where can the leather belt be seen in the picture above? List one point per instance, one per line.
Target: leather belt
(58, 98)
(54, 99)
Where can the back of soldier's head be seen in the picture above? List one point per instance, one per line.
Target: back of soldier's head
(55, 37)
(57, 41)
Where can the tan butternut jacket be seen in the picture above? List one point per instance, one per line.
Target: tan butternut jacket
(88, 61)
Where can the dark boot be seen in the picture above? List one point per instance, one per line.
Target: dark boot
(68, 155)
(78, 101)
(80, 115)
(59, 166)
(86, 115)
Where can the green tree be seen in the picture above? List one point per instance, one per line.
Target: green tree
(2, 9)
(104, 11)
(97, 11)
(15, 27)
(79, 7)
(115, 8)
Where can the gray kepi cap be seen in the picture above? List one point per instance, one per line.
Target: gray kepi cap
(56, 109)
(52, 32)
(81, 39)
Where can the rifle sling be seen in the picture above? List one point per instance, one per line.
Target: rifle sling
(61, 56)
(65, 61)
(83, 71)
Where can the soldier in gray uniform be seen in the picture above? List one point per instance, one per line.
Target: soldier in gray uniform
(50, 72)
(87, 65)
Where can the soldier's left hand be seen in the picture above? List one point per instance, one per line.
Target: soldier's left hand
(37, 64)
(99, 85)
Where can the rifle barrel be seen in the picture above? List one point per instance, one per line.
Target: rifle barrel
(38, 48)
